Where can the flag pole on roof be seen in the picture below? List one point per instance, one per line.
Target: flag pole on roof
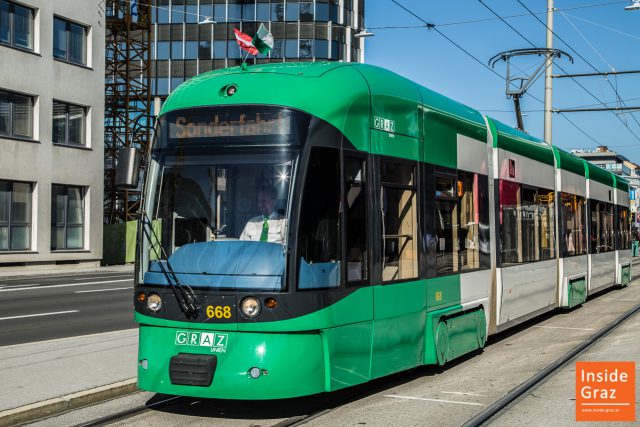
(262, 42)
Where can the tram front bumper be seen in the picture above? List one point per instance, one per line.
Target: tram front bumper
(248, 365)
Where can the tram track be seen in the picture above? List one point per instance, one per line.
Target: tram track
(342, 398)
(533, 382)
(131, 412)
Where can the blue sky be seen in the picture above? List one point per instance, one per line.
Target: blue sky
(600, 31)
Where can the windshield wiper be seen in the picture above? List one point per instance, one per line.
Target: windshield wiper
(185, 296)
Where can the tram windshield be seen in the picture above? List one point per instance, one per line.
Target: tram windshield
(217, 195)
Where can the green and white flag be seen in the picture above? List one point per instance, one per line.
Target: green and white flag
(263, 40)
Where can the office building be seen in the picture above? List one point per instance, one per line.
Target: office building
(51, 133)
(618, 164)
(190, 37)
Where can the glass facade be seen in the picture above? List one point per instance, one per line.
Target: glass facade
(302, 31)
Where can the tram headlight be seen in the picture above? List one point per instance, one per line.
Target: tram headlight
(250, 307)
(154, 302)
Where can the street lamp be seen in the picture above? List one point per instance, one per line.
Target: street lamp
(633, 6)
(207, 20)
(364, 33)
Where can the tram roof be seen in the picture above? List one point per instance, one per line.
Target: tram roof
(200, 90)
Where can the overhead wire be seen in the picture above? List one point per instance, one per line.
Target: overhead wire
(590, 65)
(559, 66)
(604, 26)
(431, 26)
(474, 21)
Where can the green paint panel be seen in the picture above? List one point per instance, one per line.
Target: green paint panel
(600, 175)
(463, 333)
(626, 275)
(398, 101)
(281, 355)
(443, 292)
(441, 137)
(567, 162)
(433, 320)
(621, 183)
(456, 111)
(389, 144)
(347, 355)
(577, 291)
(399, 327)
(518, 142)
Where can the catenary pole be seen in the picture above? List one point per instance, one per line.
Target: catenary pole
(548, 80)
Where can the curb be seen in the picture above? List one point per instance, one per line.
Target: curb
(53, 273)
(58, 405)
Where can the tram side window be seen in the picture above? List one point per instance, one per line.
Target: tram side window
(573, 231)
(527, 223)
(623, 227)
(319, 229)
(602, 231)
(446, 217)
(399, 221)
(356, 219)
(473, 191)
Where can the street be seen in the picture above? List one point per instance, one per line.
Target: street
(43, 308)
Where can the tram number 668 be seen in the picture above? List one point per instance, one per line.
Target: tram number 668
(218, 312)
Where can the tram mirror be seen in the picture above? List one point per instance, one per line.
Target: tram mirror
(128, 170)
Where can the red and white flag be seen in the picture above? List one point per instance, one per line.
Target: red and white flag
(245, 42)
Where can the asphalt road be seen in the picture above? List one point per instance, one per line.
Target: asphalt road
(42, 308)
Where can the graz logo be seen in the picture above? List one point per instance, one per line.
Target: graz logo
(215, 341)
(384, 124)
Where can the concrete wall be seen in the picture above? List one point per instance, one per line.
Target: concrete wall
(39, 161)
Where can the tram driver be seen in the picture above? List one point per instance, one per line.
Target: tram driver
(270, 225)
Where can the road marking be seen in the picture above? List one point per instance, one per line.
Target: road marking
(19, 286)
(104, 277)
(39, 314)
(462, 394)
(565, 327)
(395, 396)
(65, 285)
(102, 290)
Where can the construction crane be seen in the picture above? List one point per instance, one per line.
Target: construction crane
(127, 97)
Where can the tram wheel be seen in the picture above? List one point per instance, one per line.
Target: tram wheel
(442, 343)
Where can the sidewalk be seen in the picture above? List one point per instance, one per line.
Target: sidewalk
(7, 273)
(83, 370)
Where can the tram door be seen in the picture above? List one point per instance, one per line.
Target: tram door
(399, 302)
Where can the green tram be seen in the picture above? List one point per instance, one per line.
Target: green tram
(310, 227)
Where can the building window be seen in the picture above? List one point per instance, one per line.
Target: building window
(16, 115)
(69, 41)
(15, 216)
(67, 217)
(68, 124)
(16, 25)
